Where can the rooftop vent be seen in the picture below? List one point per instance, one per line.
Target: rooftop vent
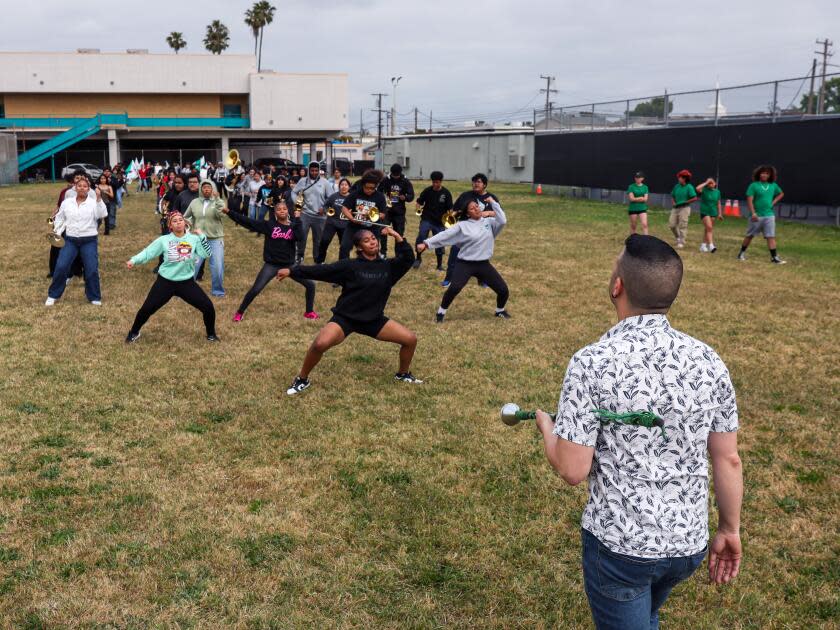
(88, 51)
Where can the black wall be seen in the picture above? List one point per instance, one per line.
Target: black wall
(805, 153)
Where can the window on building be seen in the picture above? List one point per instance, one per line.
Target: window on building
(232, 111)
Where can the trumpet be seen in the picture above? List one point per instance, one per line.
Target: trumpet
(449, 219)
(54, 239)
(419, 211)
(300, 201)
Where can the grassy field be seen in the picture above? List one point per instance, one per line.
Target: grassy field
(172, 484)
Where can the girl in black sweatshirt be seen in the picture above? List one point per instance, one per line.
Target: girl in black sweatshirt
(278, 252)
(366, 283)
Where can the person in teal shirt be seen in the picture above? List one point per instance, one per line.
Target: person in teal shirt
(176, 275)
(683, 195)
(762, 195)
(709, 212)
(637, 194)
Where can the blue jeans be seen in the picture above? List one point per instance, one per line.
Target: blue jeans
(85, 247)
(120, 193)
(423, 232)
(217, 266)
(112, 214)
(626, 592)
(252, 208)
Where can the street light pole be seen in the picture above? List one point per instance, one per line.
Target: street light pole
(394, 83)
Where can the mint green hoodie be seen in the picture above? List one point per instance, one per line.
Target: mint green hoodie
(179, 255)
(206, 214)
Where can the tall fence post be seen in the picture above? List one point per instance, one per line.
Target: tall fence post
(717, 104)
(665, 108)
(775, 99)
(561, 119)
(627, 115)
(593, 117)
(534, 125)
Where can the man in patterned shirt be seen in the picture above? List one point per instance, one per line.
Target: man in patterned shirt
(645, 527)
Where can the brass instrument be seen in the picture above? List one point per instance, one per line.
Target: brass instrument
(163, 206)
(54, 239)
(389, 202)
(330, 211)
(233, 183)
(300, 201)
(449, 219)
(419, 211)
(368, 218)
(232, 160)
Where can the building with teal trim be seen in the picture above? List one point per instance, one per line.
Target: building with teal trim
(104, 108)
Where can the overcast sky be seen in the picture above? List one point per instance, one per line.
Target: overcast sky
(470, 60)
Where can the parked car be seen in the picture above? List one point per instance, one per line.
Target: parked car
(92, 170)
(264, 163)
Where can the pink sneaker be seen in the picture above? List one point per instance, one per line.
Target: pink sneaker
(237, 317)
(311, 315)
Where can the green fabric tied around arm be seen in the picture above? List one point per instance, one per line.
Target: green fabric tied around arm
(636, 418)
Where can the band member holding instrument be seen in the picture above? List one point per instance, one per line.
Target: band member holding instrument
(709, 212)
(478, 193)
(475, 238)
(398, 191)
(336, 221)
(68, 192)
(435, 201)
(762, 195)
(252, 190)
(645, 527)
(637, 194)
(176, 276)
(315, 190)
(233, 188)
(366, 284)
(219, 177)
(78, 218)
(358, 206)
(279, 250)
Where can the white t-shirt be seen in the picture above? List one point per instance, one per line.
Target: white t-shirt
(648, 494)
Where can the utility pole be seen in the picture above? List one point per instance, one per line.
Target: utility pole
(378, 111)
(826, 53)
(430, 121)
(415, 120)
(811, 91)
(548, 92)
(361, 124)
(395, 81)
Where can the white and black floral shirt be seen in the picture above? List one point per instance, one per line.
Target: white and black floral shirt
(648, 495)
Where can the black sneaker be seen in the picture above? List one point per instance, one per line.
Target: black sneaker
(439, 268)
(298, 386)
(416, 264)
(439, 318)
(777, 261)
(407, 377)
(132, 337)
(212, 338)
(503, 315)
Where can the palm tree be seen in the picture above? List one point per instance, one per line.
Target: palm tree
(217, 38)
(176, 41)
(267, 12)
(254, 21)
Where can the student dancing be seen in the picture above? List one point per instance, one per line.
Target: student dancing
(366, 282)
(474, 238)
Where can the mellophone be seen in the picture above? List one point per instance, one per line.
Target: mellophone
(512, 415)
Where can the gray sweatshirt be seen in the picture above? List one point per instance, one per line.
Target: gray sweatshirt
(474, 237)
(316, 195)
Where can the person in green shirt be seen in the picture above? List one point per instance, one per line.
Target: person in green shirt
(637, 194)
(683, 195)
(709, 212)
(205, 212)
(176, 275)
(762, 195)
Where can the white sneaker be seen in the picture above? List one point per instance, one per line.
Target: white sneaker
(704, 247)
(680, 245)
(68, 281)
(50, 301)
(742, 256)
(96, 302)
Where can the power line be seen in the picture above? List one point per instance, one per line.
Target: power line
(825, 53)
(548, 92)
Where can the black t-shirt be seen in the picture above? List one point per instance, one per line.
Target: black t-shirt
(183, 200)
(336, 202)
(465, 197)
(435, 204)
(365, 284)
(393, 188)
(265, 194)
(357, 201)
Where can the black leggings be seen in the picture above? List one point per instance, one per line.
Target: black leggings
(265, 275)
(485, 272)
(331, 229)
(163, 290)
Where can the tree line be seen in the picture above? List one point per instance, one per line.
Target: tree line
(217, 35)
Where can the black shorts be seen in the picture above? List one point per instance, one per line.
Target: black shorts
(368, 328)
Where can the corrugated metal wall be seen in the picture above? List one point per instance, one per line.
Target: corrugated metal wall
(462, 156)
(8, 159)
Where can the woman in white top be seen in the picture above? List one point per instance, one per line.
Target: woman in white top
(77, 217)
